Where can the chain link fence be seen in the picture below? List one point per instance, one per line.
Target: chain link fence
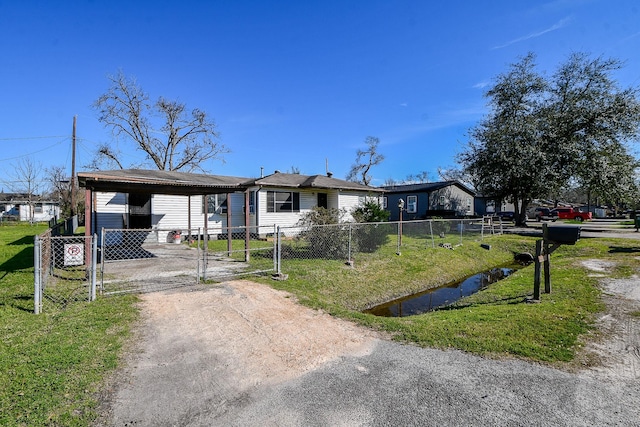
(64, 270)
(343, 241)
(145, 260)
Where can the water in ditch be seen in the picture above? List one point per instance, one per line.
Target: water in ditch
(438, 297)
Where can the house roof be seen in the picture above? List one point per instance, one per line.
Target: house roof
(294, 180)
(425, 187)
(21, 198)
(182, 183)
(165, 182)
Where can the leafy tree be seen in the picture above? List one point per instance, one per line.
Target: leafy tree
(505, 156)
(178, 140)
(365, 160)
(611, 176)
(542, 133)
(588, 118)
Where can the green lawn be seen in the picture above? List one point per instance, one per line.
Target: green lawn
(52, 365)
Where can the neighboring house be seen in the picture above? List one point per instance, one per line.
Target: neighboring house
(175, 200)
(431, 199)
(16, 206)
(485, 205)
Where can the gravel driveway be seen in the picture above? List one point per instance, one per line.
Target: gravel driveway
(245, 354)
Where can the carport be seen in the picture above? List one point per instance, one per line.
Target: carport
(147, 182)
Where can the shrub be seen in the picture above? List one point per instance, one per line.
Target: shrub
(370, 238)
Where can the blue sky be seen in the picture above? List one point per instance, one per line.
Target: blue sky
(289, 83)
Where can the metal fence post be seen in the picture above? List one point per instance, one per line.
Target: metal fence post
(349, 254)
(279, 253)
(37, 294)
(198, 256)
(275, 248)
(205, 249)
(94, 267)
(433, 241)
(102, 256)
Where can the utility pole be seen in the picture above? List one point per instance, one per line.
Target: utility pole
(73, 168)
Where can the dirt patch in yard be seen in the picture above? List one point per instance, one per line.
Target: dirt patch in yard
(614, 348)
(257, 329)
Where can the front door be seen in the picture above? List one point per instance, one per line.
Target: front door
(323, 201)
(139, 210)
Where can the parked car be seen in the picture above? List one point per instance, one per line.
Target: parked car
(506, 215)
(544, 214)
(570, 213)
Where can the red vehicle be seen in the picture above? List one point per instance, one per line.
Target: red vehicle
(570, 213)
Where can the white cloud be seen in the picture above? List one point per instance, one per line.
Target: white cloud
(558, 25)
(481, 85)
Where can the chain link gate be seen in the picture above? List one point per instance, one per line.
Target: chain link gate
(147, 260)
(243, 254)
(65, 269)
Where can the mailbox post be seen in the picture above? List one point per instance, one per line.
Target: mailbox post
(552, 238)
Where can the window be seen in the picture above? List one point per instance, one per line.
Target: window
(442, 200)
(217, 203)
(38, 208)
(412, 204)
(384, 202)
(283, 201)
(252, 202)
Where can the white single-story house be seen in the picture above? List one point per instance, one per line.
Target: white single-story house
(167, 200)
(17, 206)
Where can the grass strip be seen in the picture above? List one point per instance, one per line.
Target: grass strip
(52, 365)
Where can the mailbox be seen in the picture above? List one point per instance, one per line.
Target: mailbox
(564, 235)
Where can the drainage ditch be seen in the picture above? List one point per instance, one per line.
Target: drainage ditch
(430, 299)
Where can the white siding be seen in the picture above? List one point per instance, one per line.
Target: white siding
(172, 212)
(349, 201)
(111, 209)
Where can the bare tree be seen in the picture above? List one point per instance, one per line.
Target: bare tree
(418, 178)
(28, 182)
(188, 138)
(365, 160)
(60, 189)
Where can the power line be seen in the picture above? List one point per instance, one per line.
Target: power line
(34, 152)
(33, 137)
